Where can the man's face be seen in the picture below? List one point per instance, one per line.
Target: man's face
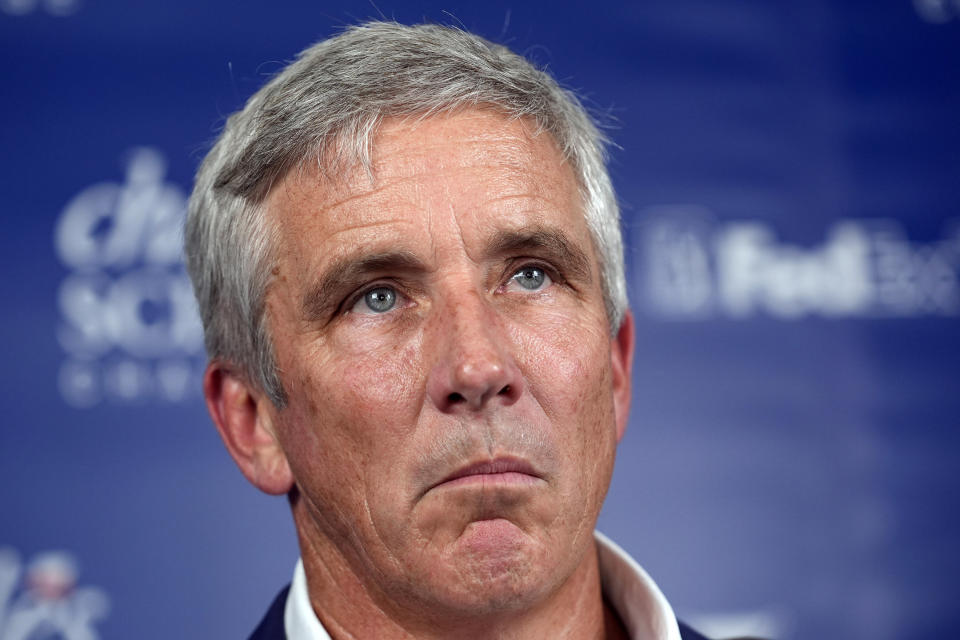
(455, 397)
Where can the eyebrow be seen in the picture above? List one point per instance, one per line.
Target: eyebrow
(347, 273)
(547, 242)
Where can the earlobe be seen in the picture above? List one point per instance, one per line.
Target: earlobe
(245, 423)
(621, 359)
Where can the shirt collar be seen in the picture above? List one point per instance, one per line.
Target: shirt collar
(299, 620)
(634, 595)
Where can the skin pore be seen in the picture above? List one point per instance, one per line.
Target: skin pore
(455, 397)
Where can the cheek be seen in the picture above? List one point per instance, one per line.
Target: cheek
(566, 361)
(383, 384)
(567, 369)
(363, 404)
(350, 399)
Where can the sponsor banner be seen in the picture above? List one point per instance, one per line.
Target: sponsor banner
(692, 266)
(128, 320)
(42, 598)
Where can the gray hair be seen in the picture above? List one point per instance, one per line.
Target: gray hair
(326, 106)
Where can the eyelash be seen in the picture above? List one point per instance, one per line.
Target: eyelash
(352, 301)
(530, 263)
(516, 267)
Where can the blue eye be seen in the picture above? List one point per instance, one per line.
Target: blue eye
(379, 300)
(531, 278)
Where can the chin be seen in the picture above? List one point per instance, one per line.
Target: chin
(498, 593)
(490, 574)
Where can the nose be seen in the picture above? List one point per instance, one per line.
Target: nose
(474, 369)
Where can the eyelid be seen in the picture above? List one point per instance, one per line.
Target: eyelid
(519, 264)
(539, 263)
(514, 267)
(351, 301)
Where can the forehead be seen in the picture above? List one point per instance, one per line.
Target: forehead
(476, 171)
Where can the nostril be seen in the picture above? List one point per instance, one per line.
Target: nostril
(505, 391)
(455, 398)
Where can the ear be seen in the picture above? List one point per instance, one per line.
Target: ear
(621, 360)
(244, 418)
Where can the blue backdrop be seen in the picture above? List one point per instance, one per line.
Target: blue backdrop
(790, 179)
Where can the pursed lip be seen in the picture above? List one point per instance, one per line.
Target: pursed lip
(505, 470)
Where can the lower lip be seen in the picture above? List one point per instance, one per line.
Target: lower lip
(507, 479)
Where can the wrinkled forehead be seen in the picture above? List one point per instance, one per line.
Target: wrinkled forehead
(482, 158)
(478, 138)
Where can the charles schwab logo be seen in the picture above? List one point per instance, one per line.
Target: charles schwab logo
(129, 323)
(42, 600)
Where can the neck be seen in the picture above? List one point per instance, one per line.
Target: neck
(350, 607)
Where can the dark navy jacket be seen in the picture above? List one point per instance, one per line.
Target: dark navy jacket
(271, 627)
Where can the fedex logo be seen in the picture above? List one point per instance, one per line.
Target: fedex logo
(694, 267)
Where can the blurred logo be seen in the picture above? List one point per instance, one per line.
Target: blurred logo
(128, 318)
(51, 7)
(694, 267)
(42, 600)
(937, 11)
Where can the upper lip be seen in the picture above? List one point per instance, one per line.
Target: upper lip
(497, 465)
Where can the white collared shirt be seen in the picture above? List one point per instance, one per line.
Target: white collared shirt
(638, 601)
